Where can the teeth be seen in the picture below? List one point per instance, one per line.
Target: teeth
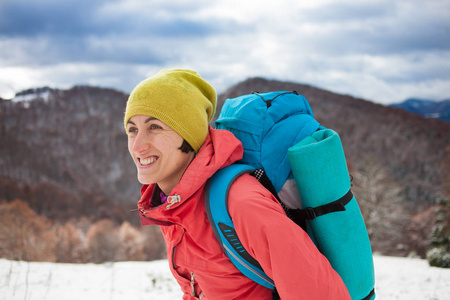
(147, 161)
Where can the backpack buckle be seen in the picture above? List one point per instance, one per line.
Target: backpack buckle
(308, 213)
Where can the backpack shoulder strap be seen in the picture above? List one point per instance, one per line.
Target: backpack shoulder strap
(216, 203)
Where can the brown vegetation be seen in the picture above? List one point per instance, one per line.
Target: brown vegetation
(25, 235)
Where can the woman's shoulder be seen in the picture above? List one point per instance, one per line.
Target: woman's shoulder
(248, 194)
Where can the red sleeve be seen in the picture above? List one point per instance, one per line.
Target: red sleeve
(283, 249)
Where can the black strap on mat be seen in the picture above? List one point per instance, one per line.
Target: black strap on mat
(311, 213)
(372, 292)
(308, 213)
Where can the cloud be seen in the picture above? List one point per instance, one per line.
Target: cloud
(378, 49)
(84, 18)
(81, 30)
(381, 27)
(27, 18)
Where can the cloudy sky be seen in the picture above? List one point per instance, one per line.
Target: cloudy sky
(380, 50)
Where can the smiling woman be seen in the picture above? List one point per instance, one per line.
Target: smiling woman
(175, 153)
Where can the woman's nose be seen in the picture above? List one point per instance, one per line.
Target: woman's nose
(140, 143)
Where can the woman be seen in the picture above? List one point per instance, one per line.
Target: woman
(175, 153)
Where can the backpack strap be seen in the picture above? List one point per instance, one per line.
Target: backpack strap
(216, 203)
(311, 213)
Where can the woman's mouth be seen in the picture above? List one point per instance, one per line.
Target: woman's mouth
(147, 161)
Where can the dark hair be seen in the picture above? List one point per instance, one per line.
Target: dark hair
(185, 147)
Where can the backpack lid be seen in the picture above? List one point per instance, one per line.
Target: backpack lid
(268, 124)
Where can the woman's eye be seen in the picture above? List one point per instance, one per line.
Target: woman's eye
(132, 130)
(155, 126)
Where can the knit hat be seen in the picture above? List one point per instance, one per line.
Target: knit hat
(179, 98)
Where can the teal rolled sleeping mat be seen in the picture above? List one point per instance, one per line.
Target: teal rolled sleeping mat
(320, 172)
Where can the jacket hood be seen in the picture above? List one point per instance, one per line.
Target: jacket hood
(220, 149)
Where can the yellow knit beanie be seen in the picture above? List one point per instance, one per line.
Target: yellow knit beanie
(179, 98)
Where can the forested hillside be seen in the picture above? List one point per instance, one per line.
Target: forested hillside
(66, 154)
(63, 154)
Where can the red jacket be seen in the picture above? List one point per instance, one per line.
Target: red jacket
(198, 262)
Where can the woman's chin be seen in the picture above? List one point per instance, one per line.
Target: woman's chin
(144, 180)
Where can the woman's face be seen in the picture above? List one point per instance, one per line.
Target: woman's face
(154, 147)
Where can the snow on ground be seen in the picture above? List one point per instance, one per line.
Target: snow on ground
(396, 278)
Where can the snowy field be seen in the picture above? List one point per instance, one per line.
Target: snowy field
(396, 278)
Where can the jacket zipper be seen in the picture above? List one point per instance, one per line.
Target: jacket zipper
(193, 285)
(193, 293)
(156, 220)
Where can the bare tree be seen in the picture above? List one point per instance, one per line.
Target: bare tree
(103, 241)
(70, 244)
(131, 247)
(439, 254)
(381, 201)
(153, 242)
(24, 235)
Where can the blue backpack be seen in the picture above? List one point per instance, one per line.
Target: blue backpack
(303, 164)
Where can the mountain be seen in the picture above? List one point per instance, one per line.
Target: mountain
(65, 153)
(427, 108)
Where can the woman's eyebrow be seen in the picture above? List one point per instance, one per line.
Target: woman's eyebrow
(146, 121)
(150, 119)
